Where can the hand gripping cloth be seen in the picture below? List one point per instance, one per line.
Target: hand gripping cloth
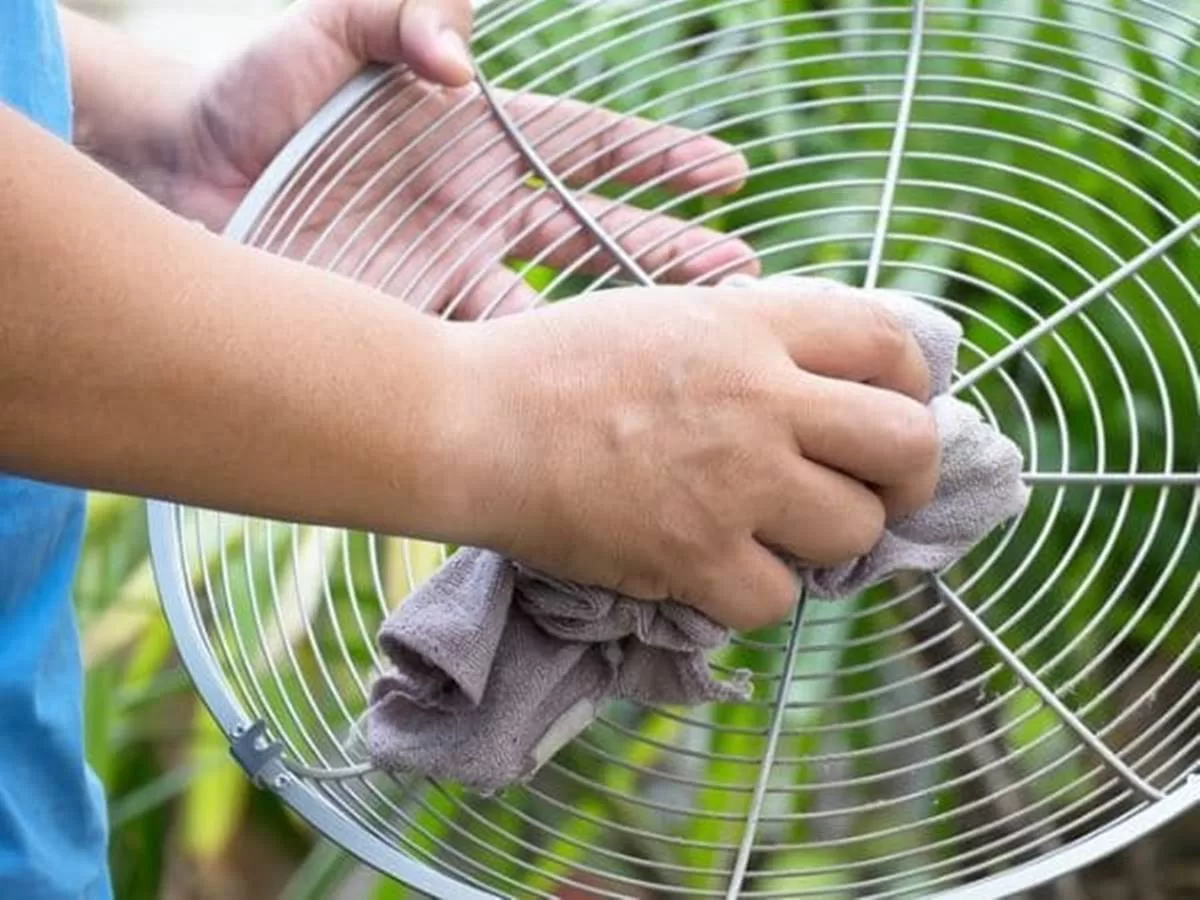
(494, 667)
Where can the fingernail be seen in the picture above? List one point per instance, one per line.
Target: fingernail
(454, 49)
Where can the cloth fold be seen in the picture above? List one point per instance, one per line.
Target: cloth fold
(494, 667)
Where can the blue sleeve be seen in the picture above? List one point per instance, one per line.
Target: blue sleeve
(53, 840)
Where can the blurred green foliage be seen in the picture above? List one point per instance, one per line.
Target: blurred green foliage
(1002, 229)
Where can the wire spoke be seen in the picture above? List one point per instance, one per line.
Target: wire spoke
(1114, 479)
(1149, 255)
(746, 846)
(887, 200)
(1047, 696)
(543, 171)
(344, 773)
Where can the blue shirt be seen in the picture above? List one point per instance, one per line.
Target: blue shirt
(53, 842)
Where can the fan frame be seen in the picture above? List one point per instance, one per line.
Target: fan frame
(269, 770)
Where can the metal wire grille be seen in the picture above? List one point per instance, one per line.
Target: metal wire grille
(1032, 168)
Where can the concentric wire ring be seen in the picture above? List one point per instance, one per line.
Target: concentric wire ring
(1033, 170)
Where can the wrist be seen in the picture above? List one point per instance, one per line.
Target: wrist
(478, 445)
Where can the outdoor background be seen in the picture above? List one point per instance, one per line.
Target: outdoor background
(185, 823)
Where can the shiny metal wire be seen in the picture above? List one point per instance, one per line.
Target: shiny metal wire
(1030, 710)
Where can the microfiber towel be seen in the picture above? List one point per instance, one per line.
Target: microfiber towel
(979, 485)
(494, 667)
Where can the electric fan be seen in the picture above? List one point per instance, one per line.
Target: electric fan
(1032, 168)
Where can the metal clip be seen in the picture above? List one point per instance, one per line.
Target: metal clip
(258, 755)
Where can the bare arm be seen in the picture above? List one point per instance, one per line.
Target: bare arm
(654, 441)
(141, 354)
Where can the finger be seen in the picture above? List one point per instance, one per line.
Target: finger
(434, 39)
(665, 247)
(429, 36)
(752, 589)
(876, 436)
(844, 334)
(823, 517)
(584, 142)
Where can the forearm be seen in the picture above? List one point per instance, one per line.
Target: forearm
(128, 102)
(141, 354)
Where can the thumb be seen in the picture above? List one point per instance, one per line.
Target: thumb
(434, 39)
(431, 37)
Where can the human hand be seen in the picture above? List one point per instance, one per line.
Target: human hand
(234, 123)
(662, 443)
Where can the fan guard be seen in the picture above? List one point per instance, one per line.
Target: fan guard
(1032, 168)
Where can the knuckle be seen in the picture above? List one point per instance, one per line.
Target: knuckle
(928, 490)
(745, 593)
(705, 588)
(774, 589)
(763, 605)
(863, 530)
(606, 152)
(673, 159)
(888, 335)
(670, 255)
(924, 495)
(643, 587)
(777, 601)
(912, 434)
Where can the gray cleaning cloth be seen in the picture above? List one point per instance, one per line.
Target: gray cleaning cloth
(494, 667)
